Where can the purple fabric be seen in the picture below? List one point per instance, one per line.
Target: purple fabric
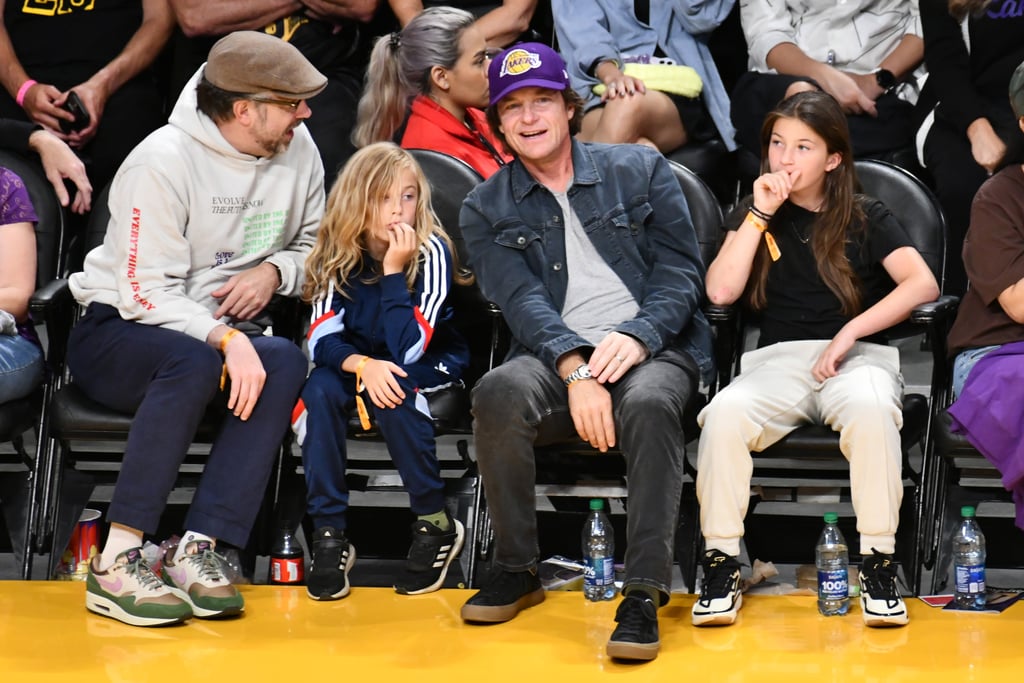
(990, 415)
(16, 207)
(15, 204)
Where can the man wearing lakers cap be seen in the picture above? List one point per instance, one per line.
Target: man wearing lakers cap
(591, 254)
(209, 217)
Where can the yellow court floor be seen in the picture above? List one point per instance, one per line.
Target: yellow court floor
(377, 636)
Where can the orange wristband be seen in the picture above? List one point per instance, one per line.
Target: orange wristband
(769, 239)
(364, 416)
(223, 345)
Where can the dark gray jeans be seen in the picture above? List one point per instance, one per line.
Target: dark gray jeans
(522, 403)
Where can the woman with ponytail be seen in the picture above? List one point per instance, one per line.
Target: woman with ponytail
(426, 87)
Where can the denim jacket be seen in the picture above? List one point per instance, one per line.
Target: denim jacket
(631, 206)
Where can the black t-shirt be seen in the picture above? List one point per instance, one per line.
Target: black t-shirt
(65, 43)
(799, 303)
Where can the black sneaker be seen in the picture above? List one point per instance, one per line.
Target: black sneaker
(430, 554)
(880, 600)
(505, 595)
(636, 636)
(333, 557)
(720, 597)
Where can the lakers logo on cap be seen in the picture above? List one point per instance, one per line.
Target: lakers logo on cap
(518, 62)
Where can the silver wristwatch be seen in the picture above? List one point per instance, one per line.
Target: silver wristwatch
(582, 372)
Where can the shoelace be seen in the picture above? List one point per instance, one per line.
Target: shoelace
(425, 548)
(208, 564)
(331, 554)
(146, 576)
(636, 619)
(718, 579)
(880, 579)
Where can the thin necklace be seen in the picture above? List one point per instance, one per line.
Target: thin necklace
(805, 239)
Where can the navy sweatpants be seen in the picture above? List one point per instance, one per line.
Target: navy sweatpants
(167, 379)
(407, 429)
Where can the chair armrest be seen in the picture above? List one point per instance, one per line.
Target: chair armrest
(53, 305)
(718, 314)
(288, 316)
(941, 309)
(54, 293)
(725, 326)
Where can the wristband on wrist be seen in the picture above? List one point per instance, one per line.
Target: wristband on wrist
(364, 416)
(23, 90)
(769, 239)
(223, 349)
(223, 345)
(766, 217)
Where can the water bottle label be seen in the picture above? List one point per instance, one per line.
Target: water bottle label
(970, 578)
(833, 584)
(599, 571)
(286, 570)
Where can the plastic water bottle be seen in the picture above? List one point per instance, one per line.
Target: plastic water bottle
(287, 559)
(833, 562)
(598, 554)
(969, 562)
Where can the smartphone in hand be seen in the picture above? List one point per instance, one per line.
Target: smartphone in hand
(74, 105)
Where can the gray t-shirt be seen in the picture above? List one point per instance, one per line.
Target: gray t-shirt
(596, 300)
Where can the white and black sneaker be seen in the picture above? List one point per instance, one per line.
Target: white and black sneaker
(720, 598)
(333, 557)
(430, 555)
(880, 600)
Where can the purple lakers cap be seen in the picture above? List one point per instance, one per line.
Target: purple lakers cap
(523, 65)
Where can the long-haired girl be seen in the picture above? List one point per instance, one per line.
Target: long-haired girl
(379, 278)
(826, 269)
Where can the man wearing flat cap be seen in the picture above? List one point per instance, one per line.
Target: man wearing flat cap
(590, 252)
(210, 216)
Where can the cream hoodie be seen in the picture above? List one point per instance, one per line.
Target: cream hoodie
(188, 211)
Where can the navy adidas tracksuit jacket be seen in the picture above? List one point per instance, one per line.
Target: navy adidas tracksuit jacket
(384, 320)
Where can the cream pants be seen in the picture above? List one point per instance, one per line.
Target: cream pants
(774, 394)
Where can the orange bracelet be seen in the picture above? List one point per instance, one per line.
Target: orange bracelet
(769, 239)
(364, 416)
(226, 338)
(223, 349)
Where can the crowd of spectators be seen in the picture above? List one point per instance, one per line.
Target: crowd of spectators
(165, 100)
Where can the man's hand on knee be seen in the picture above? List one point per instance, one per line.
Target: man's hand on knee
(590, 405)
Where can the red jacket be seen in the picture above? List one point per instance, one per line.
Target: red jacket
(431, 126)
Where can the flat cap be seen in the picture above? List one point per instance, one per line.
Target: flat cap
(250, 62)
(1017, 91)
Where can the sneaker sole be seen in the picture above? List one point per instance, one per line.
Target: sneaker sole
(202, 612)
(346, 589)
(719, 618)
(637, 651)
(883, 620)
(460, 537)
(108, 608)
(488, 614)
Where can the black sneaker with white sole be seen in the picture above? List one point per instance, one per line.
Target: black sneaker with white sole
(333, 557)
(880, 601)
(720, 598)
(430, 555)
